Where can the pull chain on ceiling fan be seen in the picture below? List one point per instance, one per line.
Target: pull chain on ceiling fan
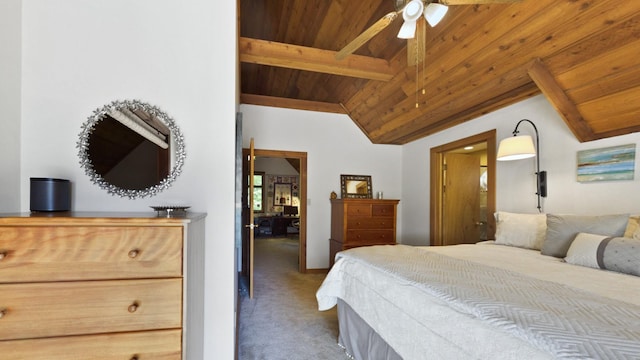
(433, 12)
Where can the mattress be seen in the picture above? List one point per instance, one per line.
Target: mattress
(419, 326)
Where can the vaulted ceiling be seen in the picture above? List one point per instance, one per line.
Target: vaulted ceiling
(583, 55)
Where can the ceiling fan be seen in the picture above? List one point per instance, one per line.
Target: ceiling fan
(412, 11)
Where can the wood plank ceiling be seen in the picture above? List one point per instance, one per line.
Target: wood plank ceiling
(583, 55)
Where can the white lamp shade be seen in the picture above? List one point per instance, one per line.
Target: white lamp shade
(434, 13)
(413, 10)
(408, 30)
(516, 148)
(411, 13)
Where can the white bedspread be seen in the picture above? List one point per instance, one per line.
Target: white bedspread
(419, 326)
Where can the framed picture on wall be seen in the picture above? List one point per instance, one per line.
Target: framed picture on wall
(281, 194)
(607, 164)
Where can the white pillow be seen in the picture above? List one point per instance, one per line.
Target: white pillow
(521, 230)
(584, 249)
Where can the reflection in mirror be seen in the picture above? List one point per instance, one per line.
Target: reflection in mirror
(131, 149)
(356, 186)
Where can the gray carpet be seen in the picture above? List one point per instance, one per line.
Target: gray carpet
(282, 320)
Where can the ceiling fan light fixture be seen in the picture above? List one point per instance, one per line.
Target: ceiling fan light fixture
(411, 13)
(408, 30)
(434, 13)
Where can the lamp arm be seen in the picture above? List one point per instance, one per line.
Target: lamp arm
(540, 175)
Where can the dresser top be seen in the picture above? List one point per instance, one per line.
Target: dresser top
(365, 201)
(96, 218)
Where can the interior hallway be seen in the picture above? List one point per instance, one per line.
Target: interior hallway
(282, 321)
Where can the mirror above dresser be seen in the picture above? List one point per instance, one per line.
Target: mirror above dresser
(131, 149)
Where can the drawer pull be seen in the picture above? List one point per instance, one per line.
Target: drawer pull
(133, 307)
(134, 253)
(3, 312)
(134, 357)
(3, 254)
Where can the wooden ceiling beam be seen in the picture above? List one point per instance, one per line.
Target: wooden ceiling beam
(288, 103)
(569, 112)
(290, 56)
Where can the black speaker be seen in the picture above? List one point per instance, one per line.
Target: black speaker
(49, 194)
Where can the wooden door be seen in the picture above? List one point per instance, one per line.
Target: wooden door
(251, 224)
(248, 234)
(461, 206)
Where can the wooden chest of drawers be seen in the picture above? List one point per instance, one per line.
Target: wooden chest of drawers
(361, 222)
(100, 287)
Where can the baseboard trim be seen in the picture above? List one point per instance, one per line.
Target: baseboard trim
(317, 271)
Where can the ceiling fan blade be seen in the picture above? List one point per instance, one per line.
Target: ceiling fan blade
(365, 36)
(474, 2)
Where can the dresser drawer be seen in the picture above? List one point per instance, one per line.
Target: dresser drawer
(53, 253)
(369, 237)
(383, 210)
(36, 310)
(370, 223)
(157, 345)
(359, 210)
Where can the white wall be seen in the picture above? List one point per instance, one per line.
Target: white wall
(177, 54)
(10, 63)
(515, 180)
(334, 146)
(274, 166)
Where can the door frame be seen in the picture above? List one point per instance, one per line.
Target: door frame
(436, 168)
(302, 237)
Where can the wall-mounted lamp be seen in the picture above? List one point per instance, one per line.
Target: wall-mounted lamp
(521, 147)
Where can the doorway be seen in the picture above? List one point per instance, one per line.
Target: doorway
(299, 161)
(463, 190)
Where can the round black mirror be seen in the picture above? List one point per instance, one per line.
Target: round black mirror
(131, 149)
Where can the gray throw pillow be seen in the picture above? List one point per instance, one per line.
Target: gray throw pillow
(562, 229)
(622, 255)
(619, 254)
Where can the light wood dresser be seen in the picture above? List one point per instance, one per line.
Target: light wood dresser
(101, 286)
(361, 222)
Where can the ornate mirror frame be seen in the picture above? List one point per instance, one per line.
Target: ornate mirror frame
(98, 115)
(346, 182)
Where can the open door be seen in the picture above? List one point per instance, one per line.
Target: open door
(444, 228)
(251, 224)
(247, 216)
(461, 221)
(248, 234)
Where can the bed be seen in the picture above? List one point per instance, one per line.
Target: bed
(524, 296)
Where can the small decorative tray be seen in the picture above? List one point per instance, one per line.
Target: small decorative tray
(170, 210)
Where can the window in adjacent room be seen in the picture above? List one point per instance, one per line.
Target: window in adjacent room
(258, 191)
